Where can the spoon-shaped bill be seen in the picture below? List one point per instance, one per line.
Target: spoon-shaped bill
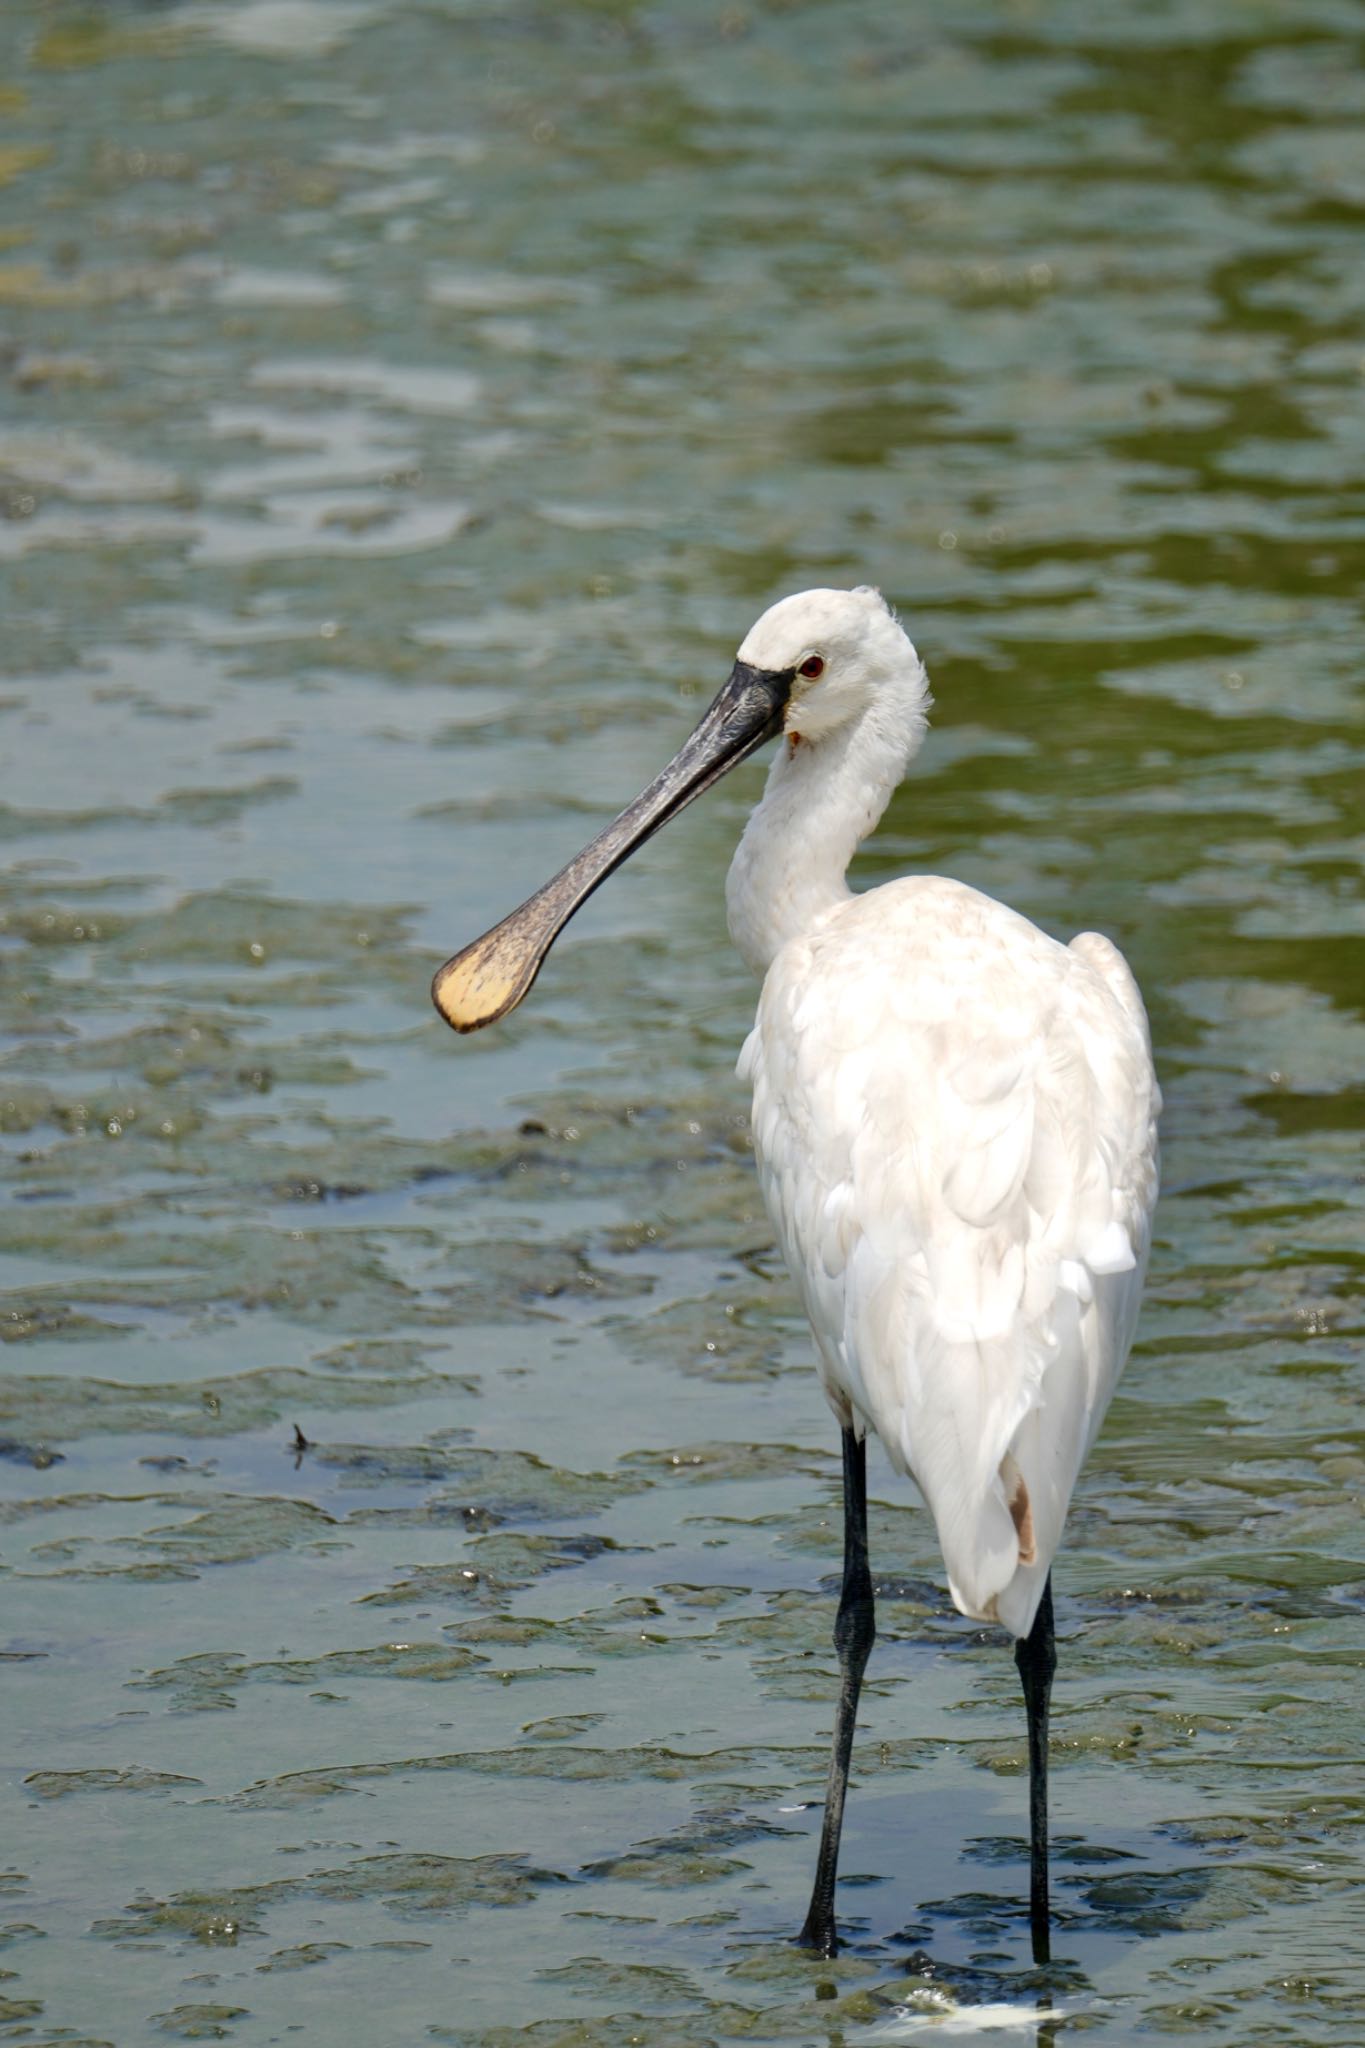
(490, 977)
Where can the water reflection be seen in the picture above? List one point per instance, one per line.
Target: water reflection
(939, 2019)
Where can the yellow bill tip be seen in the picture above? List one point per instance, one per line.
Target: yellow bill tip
(488, 979)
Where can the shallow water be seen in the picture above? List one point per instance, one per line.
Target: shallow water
(405, 409)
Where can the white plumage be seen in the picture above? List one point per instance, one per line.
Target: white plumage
(955, 1125)
(955, 1122)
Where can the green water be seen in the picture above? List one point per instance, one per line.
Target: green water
(405, 406)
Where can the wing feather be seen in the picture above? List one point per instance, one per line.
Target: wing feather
(954, 1118)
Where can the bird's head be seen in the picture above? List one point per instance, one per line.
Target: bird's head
(845, 652)
(813, 665)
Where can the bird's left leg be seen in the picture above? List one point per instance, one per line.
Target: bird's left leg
(1036, 1656)
(855, 1631)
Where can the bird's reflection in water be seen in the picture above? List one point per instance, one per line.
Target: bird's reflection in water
(939, 2018)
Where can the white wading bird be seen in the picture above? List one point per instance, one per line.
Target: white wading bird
(955, 1124)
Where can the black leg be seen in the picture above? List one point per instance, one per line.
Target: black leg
(855, 1632)
(1036, 1656)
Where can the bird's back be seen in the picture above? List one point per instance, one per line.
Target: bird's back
(955, 1124)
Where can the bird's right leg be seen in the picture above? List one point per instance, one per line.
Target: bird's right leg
(1036, 1657)
(855, 1631)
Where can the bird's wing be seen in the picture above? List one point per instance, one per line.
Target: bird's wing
(955, 1123)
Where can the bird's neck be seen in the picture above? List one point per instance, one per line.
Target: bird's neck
(822, 799)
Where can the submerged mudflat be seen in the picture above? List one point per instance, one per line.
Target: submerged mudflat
(405, 410)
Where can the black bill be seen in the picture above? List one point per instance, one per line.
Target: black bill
(489, 978)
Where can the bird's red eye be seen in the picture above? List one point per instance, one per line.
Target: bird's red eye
(813, 665)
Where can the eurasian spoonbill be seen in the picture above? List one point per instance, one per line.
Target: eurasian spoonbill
(954, 1118)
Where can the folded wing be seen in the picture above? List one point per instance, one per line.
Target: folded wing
(955, 1124)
